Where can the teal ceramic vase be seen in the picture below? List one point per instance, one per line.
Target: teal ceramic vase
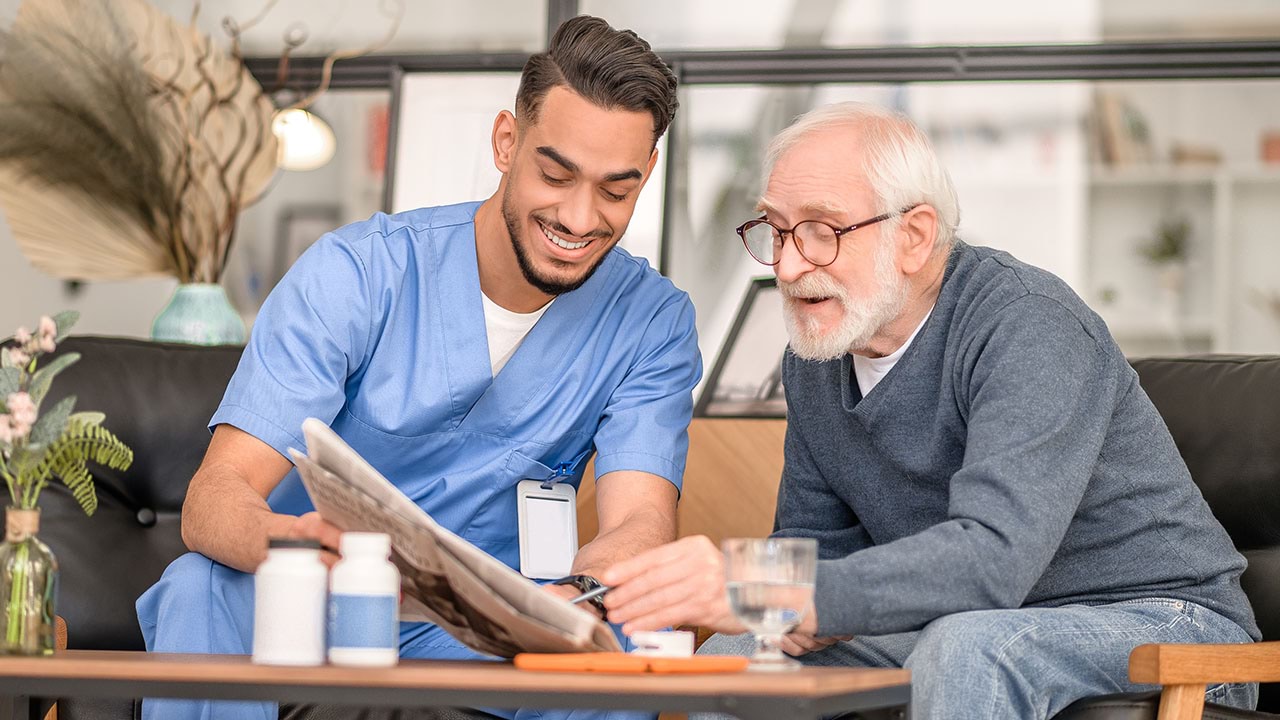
(199, 314)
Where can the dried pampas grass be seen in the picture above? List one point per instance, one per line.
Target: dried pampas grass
(129, 144)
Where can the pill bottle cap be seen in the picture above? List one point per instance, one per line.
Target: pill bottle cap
(362, 543)
(282, 543)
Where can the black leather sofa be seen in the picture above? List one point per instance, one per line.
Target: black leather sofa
(1224, 413)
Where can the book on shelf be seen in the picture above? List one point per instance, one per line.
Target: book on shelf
(1120, 134)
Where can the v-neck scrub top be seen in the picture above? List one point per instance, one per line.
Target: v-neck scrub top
(379, 330)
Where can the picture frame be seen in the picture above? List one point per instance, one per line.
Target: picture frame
(746, 379)
(297, 227)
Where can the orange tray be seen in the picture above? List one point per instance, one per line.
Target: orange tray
(628, 663)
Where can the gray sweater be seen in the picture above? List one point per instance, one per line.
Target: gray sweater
(1009, 459)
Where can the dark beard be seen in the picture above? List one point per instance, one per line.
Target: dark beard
(546, 285)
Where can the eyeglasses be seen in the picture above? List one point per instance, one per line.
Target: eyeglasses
(817, 241)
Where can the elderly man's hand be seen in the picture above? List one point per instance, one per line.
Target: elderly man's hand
(681, 583)
(800, 643)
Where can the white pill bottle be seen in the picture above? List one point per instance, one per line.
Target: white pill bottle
(289, 590)
(364, 603)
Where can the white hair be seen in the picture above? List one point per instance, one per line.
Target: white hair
(898, 160)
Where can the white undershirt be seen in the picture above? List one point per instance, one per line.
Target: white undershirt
(870, 371)
(506, 330)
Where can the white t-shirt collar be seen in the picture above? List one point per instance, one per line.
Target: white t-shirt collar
(870, 371)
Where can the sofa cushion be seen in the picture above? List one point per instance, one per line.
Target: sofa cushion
(1224, 413)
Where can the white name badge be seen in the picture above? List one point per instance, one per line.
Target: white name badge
(548, 529)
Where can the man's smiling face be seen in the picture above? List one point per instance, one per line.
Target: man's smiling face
(571, 187)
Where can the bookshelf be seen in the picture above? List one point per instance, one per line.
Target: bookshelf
(1193, 150)
(1216, 300)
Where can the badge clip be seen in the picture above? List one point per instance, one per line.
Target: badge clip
(562, 470)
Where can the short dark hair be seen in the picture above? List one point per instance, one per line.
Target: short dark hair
(609, 68)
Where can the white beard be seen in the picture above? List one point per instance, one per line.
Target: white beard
(862, 318)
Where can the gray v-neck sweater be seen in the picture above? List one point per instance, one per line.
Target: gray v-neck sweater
(1009, 459)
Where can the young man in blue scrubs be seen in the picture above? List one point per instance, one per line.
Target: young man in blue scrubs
(460, 350)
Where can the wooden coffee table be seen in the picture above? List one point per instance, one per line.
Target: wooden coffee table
(809, 693)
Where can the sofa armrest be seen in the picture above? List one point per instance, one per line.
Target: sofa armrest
(1185, 670)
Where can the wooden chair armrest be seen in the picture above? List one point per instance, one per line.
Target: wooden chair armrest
(1205, 664)
(60, 633)
(59, 644)
(1185, 670)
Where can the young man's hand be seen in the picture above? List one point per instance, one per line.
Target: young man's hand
(313, 527)
(569, 592)
(680, 583)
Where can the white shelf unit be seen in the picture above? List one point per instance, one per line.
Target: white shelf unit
(1232, 260)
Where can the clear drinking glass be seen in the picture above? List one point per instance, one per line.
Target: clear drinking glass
(770, 584)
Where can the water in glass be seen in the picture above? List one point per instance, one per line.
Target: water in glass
(770, 606)
(770, 585)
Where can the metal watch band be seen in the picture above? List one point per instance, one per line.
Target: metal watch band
(586, 583)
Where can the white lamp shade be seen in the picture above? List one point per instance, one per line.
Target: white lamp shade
(306, 141)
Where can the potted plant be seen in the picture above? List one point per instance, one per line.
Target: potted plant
(1167, 250)
(37, 445)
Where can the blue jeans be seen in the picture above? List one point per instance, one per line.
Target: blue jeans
(1027, 663)
(200, 606)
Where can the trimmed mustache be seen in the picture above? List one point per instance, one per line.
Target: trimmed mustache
(812, 286)
(559, 229)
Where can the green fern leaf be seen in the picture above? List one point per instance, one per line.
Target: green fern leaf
(66, 458)
(77, 478)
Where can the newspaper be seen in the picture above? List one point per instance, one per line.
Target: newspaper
(446, 580)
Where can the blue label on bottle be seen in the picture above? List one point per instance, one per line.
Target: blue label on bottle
(363, 621)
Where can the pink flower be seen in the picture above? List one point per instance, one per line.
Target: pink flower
(12, 431)
(21, 410)
(23, 336)
(48, 332)
(19, 356)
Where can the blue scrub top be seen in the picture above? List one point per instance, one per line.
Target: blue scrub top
(378, 330)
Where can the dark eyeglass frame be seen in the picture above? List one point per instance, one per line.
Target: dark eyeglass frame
(783, 233)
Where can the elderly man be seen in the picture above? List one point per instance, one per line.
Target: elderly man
(997, 503)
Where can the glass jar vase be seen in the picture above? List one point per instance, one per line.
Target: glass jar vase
(28, 587)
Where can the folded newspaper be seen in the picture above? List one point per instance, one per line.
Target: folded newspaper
(446, 580)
